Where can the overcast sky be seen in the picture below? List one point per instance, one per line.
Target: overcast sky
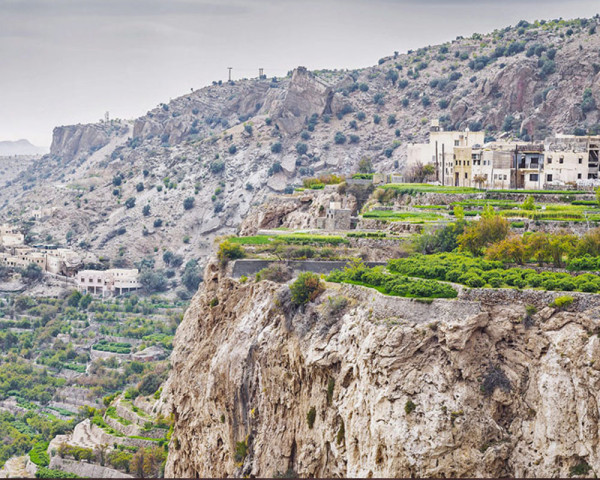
(69, 61)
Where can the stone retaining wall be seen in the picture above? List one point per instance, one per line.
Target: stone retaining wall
(84, 469)
(249, 267)
(538, 298)
(124, 411)
(134, 430)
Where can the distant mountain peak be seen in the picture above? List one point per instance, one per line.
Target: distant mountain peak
(20, 147)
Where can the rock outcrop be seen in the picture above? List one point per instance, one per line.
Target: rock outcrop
(305, 96)
(382, 386)
(71, 141)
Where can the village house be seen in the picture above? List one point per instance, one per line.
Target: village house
(336, 218)
(108, 282)
(462, 159)
(439, 152)
(10, 236)
(572, 159)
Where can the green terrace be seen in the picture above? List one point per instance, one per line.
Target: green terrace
(417, 188)
(291, 239)
(478, 272)
(395, 216)
(425, 276)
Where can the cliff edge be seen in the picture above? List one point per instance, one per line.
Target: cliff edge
(360, 384)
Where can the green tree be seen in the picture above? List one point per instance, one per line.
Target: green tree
(306, 288)
(130, 202)
(529, 203)
(489, 229)
(230, 251)
(365, 165)
(188, 203)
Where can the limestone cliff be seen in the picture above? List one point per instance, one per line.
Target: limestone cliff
(383, 386)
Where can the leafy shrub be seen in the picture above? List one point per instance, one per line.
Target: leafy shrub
(582, 468)
(230, 251)
(563, 302)
(39, 455)
(276, 272)
(232, 149)
(241, 450)
(306, 288)
(188, 203)
(339, 138)
(311, 416)
(217, 167)
(409, 406)
(335, 305)
(301, 148)
(276, 147)
(44, 472)
(130, 202)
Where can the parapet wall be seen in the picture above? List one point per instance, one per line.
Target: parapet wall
(538, 298)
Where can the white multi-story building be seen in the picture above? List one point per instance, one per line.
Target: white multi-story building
(440, 151)
(108, 282)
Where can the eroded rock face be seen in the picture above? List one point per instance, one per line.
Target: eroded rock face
(305, 96)
(396, 387)
(71, 141)
(294, 212)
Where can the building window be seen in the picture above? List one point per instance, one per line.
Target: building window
(533, 177)
(561, 160)
(504, 177)
(580, 160)
(456, 143)
(549, 159)
(579, 176)
(549, 177)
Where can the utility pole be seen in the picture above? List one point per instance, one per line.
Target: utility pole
(443, 165)
(260, 72)
(230, 68)
(437, 163)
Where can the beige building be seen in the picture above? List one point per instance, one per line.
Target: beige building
(439, 152)
(571, 159)
(108, 282)
(11, 236)
(491, 168)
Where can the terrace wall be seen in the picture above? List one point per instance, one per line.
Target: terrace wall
(539, 298)
(84, 469)
(249, 267)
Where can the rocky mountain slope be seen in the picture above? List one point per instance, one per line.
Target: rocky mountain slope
(119, 187)
(383, 386)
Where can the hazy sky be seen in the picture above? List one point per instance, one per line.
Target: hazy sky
(69, 61)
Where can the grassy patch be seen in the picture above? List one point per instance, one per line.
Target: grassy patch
(416, 188)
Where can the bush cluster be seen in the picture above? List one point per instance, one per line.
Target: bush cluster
(478, 272)
(391, 284)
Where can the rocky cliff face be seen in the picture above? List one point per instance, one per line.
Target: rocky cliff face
(73, 141)
(382, 386)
